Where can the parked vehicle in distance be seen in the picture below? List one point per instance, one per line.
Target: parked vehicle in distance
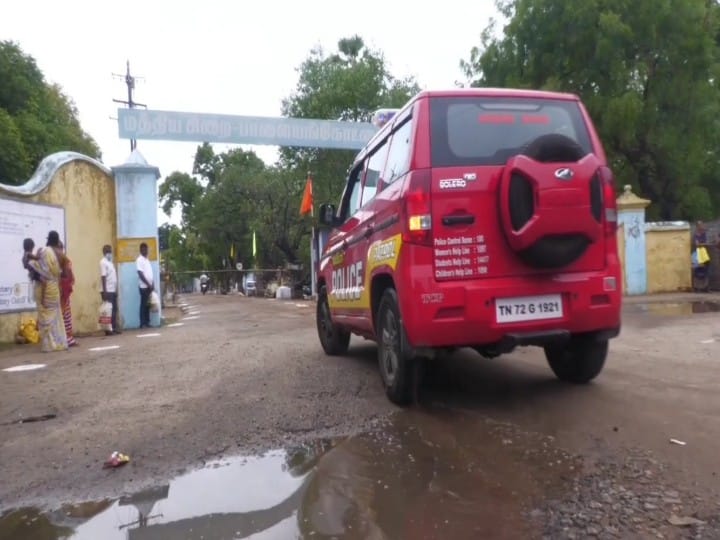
(250, 288)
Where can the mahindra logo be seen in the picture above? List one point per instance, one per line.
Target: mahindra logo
(564, 174)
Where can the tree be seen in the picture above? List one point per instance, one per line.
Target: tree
(221, 206)
(275, 215)
(183, 254)
(36, 118)
(647, 72)
(248, 197)
(206, 164)
(179, 189)
(349, 84)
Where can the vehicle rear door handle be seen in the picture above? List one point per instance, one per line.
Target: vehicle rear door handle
(458, 219)
(368, 231)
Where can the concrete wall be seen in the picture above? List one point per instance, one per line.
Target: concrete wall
(86, 189)
(655, 257)
(668, 257)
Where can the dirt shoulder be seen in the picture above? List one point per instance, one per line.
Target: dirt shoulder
(244, 374)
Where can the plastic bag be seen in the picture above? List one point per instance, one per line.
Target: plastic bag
(28, 332)
(154, 302)
(116, 459)
(702, 255)
(105, 317)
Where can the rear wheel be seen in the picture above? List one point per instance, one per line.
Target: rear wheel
(578, 361)
(395, 358)
(334, 339)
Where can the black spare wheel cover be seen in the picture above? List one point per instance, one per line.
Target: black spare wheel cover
(560, 245)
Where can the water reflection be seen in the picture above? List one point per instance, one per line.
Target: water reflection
(420, 476)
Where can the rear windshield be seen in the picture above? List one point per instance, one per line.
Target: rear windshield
(488, 131)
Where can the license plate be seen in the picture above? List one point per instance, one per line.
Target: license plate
(528, 308)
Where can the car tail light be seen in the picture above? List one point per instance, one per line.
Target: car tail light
(609, 201)
(417, 226)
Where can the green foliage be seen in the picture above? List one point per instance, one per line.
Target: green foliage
(235, 194)
(36, 118)
(183, 255)
(206, 164)
(180, 188)
(647, 72)
(184, 251)
(350, 84)
(14, 161)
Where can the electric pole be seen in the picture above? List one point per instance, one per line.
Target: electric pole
(131, 103)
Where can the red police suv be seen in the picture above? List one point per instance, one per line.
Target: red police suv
(482, 218)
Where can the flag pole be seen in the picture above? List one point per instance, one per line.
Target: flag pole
(314, 245)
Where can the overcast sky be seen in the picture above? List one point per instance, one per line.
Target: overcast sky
(224, 56)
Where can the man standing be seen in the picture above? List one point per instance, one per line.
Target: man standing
(108, 276)
(145, 273)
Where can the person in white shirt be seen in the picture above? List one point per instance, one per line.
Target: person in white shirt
(108, 277)
(147, 285)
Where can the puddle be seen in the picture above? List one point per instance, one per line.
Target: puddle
(418, 476)
(675, 308)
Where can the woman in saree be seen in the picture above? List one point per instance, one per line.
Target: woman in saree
(50, 320)
(67, 280)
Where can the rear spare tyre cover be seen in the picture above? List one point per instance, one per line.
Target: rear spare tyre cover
(551, 202)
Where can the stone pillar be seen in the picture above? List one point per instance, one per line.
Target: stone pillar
(137, 202)
(631, 215)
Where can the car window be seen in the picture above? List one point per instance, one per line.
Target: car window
(399, 154)
(372, 175)
(488, 131)
(353, 189)
(355, 198)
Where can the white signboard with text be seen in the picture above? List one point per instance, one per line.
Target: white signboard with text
(20, 220)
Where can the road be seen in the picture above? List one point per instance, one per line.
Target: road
(239, 376)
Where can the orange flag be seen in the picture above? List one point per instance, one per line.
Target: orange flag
(306, 207)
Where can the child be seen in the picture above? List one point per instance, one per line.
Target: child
(28, 246)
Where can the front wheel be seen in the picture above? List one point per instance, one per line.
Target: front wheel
(578, 361)
(334, 339)
(394, 352)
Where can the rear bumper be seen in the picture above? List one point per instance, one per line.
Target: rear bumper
(547, 337)
(464, 314)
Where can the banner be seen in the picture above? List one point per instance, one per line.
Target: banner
(20, 220)
(218, 128)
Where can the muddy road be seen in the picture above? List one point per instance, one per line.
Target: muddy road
(236, 423)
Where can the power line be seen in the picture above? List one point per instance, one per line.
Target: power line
(131, 103)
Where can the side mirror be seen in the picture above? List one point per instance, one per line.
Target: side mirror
(327, 215)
